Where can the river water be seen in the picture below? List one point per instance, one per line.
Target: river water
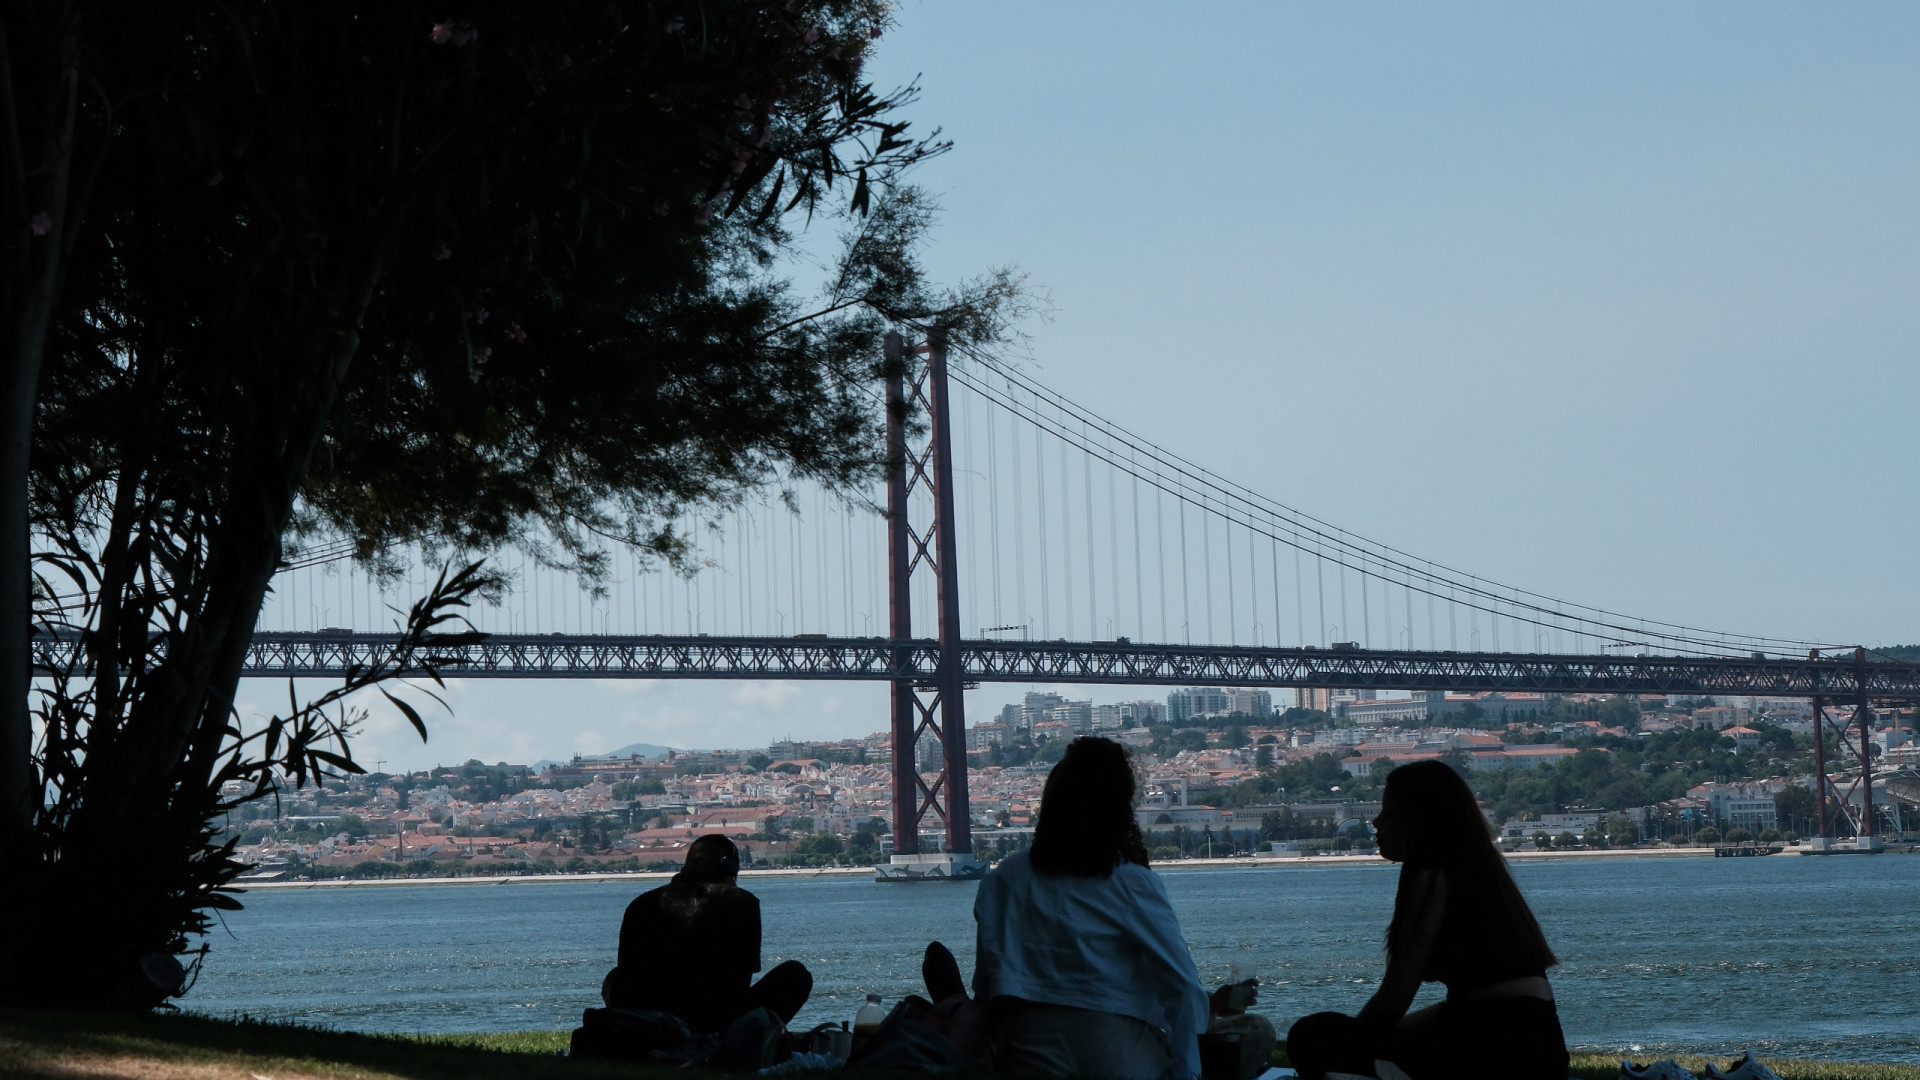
(1791, 956)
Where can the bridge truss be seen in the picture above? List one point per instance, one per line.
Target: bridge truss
(557, 656)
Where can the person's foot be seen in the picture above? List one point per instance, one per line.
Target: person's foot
(942, 973)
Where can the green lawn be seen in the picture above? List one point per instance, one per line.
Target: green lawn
(1607, 1067)
(70, 1046)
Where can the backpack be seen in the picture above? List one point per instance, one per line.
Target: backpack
(632, 1035)
(906, 1042)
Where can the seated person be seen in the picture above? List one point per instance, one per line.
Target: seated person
(1458, 919)
(691, 947)
(1079, 958)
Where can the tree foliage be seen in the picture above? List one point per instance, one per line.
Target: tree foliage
(513, 274)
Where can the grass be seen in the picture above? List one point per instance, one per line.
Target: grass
(1607, 1067)
(74, 1046)
(71, 1046)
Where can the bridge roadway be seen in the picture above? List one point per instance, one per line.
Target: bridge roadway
(558, 656)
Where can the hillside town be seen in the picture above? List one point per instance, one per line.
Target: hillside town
(1226, 774)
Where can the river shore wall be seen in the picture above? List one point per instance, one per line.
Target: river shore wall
(1165, 865)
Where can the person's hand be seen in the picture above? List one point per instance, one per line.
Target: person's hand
(1233, 998)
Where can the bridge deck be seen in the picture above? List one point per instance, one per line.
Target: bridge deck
(558, 656)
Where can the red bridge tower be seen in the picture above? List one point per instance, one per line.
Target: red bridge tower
(938, 709)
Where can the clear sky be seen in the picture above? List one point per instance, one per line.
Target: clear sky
(1616, 302)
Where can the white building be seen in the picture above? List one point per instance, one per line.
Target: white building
(1037, 707)
(1196, 701)
(1142, 713)
(1077, 715)
(1573, 821)
(1742, 806)
(988, 733)
(1249, 703)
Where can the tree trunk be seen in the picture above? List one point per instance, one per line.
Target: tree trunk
(30, 310)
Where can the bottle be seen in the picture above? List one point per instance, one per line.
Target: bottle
(867, 1020)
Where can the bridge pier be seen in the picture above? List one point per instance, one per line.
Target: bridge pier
(917, 709)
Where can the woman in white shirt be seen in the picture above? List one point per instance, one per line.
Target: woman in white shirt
(1078, 947)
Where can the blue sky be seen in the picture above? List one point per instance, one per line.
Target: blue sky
(1616, 302)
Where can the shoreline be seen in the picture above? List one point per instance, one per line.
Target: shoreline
(1181, 865)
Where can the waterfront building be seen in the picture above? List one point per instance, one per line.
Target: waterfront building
(1575, 820)
(1741, 806)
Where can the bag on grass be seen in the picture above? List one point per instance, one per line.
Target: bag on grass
(631, 1035)
(905, 1042)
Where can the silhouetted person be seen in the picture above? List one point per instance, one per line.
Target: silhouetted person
(1458, 919)
(691, 947)
(1079, 957)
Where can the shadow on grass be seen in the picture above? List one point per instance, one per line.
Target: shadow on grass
(63, 1044)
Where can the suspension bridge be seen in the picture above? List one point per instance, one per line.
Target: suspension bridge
(1080, 552)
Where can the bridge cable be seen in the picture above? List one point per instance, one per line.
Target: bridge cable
(1368, 558)
(1367, 551)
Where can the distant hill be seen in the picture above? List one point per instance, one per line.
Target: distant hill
(643, 749)
(1905, 654)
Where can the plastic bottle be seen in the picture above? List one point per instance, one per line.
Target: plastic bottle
(868, 1019)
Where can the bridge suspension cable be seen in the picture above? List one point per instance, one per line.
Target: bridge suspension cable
(1177, 477)
(810, 560)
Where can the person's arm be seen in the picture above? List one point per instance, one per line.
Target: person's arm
(989, 917)
(750, 935)
(1407, 959)
(1169, 966)
(635, 926)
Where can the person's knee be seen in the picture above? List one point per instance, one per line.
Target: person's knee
(784, 988)
(1317, 1028)
(792, 973)
(1316, 1039)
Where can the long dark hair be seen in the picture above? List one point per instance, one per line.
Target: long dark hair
(1446, 831)
(1086, 823)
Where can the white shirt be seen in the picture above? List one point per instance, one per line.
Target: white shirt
(1110, 944)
